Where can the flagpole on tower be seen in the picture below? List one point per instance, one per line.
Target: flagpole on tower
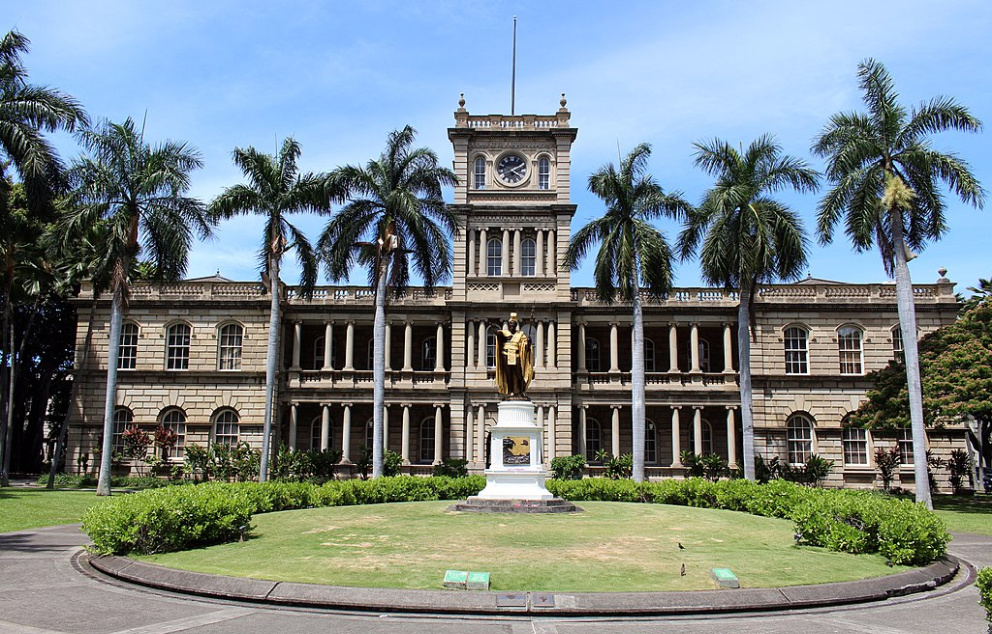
(513, 76)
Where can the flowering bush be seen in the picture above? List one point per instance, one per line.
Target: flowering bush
(136, 442)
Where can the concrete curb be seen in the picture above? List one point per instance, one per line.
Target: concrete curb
(602, 604)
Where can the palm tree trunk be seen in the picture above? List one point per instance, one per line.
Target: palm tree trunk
(113, 351)
(637, 387)
(747, 408)
(8, 444)
(64, 429)
(379, 370)
(270, 366)
(907, 323)
(6, 399)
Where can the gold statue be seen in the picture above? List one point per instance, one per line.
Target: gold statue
(514, 359)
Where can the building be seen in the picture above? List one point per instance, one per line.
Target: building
(193, 353)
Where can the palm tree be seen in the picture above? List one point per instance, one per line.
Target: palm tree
(632, 254)
(886, 185)
(25, 112)
(746, 238)
(275, 189)
(395, 211)
(137, 192)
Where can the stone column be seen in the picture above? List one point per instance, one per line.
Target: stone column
(676, 437)
(697, 430)
(539, 346)
(438, 434)
(297, 343)
(439, 363)
(552, 436)
(408, 347)
(388, 347)
(552, 346)
(483, 253)
(328, 342)
(469, 434)
(582, 347)
(482, 346)
(292, 427)
(516, 253)
(325, 427)
(504, 263)
(470, 344)
(481, 440)
(673, 347)
(694, 347)
(539, 254)
(470, 267)
(728, 351)
(615, 431)
(540, 424)
(349, 347)
(405, 441)
(614, 348)
(552, 256)
(731, 437)
(346, 434)
(582, 429)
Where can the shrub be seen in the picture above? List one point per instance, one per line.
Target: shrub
(451, 468)
(69, 480)
(714, 467)
(568, 467)
(959, 465)
(887, 462)
(693, 464)
(984, 584)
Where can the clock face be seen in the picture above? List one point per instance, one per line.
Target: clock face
(512, 168)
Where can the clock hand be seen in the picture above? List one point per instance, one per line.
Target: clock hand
(517, 169)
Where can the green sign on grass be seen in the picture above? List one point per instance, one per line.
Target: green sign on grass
(725, 577)
(455, 579)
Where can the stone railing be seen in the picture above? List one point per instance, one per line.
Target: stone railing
(704, 296)
(188, 291)
(511, 122)
(365, 295)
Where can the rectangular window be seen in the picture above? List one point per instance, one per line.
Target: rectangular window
(796, 352)
(494, 257)
(230, 347)
(855, 447)
(849, 349)
(479, 176)
(544, 174)
(177, 348)
(127, 355)
(905, 439)
(528, 257)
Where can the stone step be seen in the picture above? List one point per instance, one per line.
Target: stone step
(487, 505)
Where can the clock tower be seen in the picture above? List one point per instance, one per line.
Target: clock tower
(514, 210)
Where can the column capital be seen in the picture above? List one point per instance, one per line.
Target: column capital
(698, 407)
(675, 406)
(346, 404)
(673, 324)
(583, 406)
(616, 406)
(732, 407)
(439, 405)
(406, 405)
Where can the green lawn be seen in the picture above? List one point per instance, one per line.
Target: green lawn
(31, 508)
(610, 547)
(965, 514)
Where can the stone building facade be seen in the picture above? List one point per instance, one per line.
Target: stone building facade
(193, 353)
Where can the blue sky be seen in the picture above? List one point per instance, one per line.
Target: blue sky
(340, 76)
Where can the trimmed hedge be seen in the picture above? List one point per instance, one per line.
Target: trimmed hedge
(182, 517)
(984, 584)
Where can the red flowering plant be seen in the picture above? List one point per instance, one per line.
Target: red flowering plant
(136, 441)
(165, 439)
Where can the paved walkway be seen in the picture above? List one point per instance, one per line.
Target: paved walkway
(44, 591)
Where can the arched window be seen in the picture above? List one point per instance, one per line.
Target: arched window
(898, 350)
(315, 426)
(427, 440)
(494, 257)
(796, 351)
(649, 361)
(177, 347)
(490, 350)
(226, 427)
(650, 443)
(127, 355)
(175, 419)
(592, 354)
(318, 353)
(849, 350)
(428, 356)
(594, 439)
(799, 437)
(543, 173)
(855, 441)
(707, 437)
(479, 173)
(123, 418)
(528, 257)
(229, 347)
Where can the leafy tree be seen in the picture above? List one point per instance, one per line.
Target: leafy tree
(886, 181)
(395, 213)
(632, 254)
(956, 371)
(275, 189)
(746, 238)
(136, 192)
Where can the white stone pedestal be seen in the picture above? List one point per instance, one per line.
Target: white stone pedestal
(515, 471)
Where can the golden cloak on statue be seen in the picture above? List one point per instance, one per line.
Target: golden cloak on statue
(514, 360)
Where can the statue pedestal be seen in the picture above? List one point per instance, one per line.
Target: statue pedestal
(515, 477)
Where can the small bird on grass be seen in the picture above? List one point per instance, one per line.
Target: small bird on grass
(683, 570)
(681, 547)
